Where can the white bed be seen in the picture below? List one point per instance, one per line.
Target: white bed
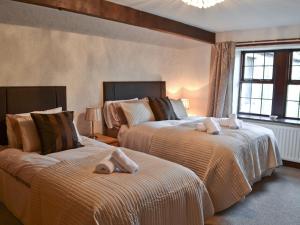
(20, 197)
(15, 193)
(229, 163)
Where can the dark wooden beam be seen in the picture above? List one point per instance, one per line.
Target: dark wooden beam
(123, 14)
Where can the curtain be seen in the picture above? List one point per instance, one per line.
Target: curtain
(221, 79)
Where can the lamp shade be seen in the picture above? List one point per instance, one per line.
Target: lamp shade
(92, 114)
(186, 102)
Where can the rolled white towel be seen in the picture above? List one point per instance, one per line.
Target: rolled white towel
(211, 125)
(232, 122)
(201, 127)
(124, 162)
(106, 166)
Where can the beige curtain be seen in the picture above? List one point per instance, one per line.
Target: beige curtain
(221, 79)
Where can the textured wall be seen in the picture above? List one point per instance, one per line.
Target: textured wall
(42, 56)
(284, 32)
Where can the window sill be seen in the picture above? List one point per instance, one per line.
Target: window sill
(269, 120)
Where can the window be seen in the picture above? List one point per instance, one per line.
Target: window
(293, 90)
(270, 83)
(256, 90)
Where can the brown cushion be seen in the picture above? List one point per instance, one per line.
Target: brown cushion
(13, 128)
(56, 131)
(162, 109)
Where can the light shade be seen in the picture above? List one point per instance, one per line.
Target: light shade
(202, 3)
(186, 102)
(92, 114)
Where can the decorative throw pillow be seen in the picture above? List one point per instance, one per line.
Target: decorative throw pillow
(13, 128)
(162, 109)
(30, 138)
(13, 131)
(179, 108)
(56, 131)
(137, 112)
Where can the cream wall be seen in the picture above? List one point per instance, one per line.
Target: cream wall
(43, 55)
(283, 32)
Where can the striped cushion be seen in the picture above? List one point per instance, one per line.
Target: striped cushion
(56, 131)
(13, 128)
(162, 109)
(137, 112)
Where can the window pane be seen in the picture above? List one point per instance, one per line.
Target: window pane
(268, 72)
(258, 72)
(296, 73)
(267, 91)
(292, 109)
(255, 106)
(249, 60)
(269, 58)
(256, 90)
(293, 92)
(296, 58)
(259, 59)
(248, 73)
(246, 90)
(245, 105)
(266, 107)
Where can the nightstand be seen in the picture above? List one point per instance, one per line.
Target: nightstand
(107, 140)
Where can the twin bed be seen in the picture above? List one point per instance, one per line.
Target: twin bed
(229, 163)
(185, 176)
(62, 188)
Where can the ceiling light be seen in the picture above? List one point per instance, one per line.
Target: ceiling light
(202, 3)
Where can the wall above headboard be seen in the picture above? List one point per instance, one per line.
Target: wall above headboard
(16, 100)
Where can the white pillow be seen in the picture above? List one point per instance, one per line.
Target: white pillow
(137, 112)
(113, 114)
(179, 108)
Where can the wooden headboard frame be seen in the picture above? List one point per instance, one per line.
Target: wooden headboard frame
(15, 100)
(131, 89)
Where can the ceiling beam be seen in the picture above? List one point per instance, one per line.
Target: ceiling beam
(123, 14)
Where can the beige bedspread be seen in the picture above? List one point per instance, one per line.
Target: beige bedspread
(228, 163)
(161, 193)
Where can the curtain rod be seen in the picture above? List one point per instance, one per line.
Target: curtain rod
(268, 42)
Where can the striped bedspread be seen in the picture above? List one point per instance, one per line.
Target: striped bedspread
(228, 163)
(161, 193)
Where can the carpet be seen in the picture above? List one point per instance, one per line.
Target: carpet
(274, 201)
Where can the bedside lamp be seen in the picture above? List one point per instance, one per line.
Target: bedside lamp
(92, 115)
(186, 103)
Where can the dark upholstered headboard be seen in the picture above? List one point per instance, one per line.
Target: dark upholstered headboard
(133, 89)
(26, 99)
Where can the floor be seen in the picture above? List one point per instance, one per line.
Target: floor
(274, 201)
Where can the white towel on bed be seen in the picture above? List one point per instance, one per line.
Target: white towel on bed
(106, 166)
(124, 162)
(212, 126)
(201, 127)
(232, 122)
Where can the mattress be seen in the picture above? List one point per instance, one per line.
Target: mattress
(15, 195)
(62, 188)
(228, 163)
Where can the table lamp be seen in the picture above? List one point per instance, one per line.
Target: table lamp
(92, 115)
